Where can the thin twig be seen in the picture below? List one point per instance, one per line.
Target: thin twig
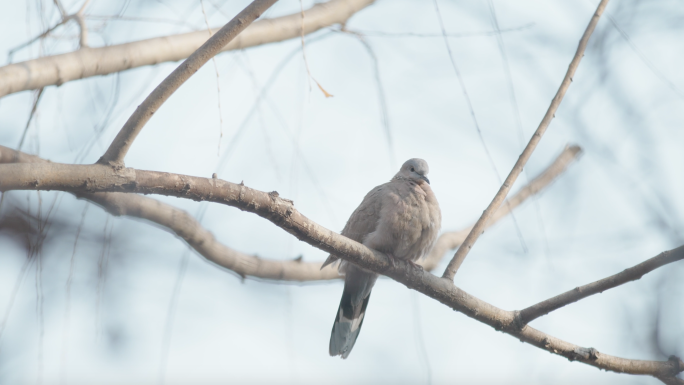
(632, 274)
(36, 100)
(60, 7)
(470, 240)
(83, 29)
(218, 83)
(451, 240)
(11, 52)
(80, 64)
(124, 139)
(658, 73)
(67, 310)
(370, 33)
(171, 317)
(469, 103)
(306, 61)
(384, 114)
(466, 96)
(139, 19)
(516, 110)
(78, 17)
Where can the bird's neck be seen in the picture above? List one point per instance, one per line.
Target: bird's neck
(419, 186)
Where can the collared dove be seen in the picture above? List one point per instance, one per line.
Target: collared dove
(400, 218)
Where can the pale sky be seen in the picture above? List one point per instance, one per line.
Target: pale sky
(615, 207)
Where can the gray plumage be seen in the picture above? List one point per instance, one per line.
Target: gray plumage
(400, 218)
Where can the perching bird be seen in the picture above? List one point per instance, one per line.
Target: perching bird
(400, 218)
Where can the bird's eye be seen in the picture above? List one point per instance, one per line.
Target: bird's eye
(413, 169)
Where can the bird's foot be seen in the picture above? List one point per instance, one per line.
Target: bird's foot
(415, 265)
(392, 260)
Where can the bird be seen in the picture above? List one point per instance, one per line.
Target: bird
(400, 218)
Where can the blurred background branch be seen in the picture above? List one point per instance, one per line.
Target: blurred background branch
(59, 69)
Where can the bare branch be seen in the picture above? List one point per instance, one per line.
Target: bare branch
(83, 29)
(189, 229)
(451, 240)
(84, 63)
(186, 227)
(36, 100)
(124, 139)
(12, 51)
(671, 380)
(60, 7)
(78, 17)
(479, 227)
(578, 293)
(281, 212)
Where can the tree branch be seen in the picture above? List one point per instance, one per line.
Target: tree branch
(451, 240)
(578, 293)
(479, 227)
(99, 178)
(84, 63)
(180, 223)
(78, 17)
(124, 139)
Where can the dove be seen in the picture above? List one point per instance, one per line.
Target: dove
(400, 218)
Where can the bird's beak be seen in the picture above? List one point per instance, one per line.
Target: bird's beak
(423, 177)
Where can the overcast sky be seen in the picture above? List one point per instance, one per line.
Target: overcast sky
(617, 206)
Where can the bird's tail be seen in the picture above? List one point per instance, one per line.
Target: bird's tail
(357, 287)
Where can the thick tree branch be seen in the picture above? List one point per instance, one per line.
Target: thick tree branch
(578, 293)
(182, 224)
(451, 240)
(84, 63)
(479, 227)
(124, 139)
(189, 229)
(186, 227)
(99, 178)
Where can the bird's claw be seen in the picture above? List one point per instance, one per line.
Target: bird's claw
(415, 265)
(392, 260)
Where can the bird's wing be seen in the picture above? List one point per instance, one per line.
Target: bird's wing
(364, 219)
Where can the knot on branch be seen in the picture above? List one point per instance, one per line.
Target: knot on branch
(677, 365)
(241, 194)
(274, 195)
(129, 186)
(116, 166)
(517, 324)
(88, 184)
(186, 188)
(584, 354)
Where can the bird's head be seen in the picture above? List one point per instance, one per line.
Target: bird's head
(414, 170)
